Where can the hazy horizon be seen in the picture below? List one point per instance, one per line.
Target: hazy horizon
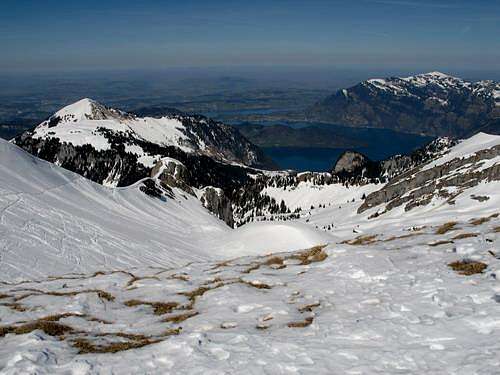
(372, 35)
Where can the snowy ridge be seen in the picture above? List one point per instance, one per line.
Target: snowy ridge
(466, 148)
(87, 122)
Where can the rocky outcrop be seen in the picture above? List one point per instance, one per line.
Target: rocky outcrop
(216, 202)
(349, 161)
(172, 173)
(419, 186)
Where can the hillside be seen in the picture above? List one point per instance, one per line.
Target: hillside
(53, 222)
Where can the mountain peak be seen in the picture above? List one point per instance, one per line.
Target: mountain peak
(79, 109)
(436, 74)
(87, 109)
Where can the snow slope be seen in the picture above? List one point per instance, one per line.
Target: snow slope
(53, 222)
(391, 306)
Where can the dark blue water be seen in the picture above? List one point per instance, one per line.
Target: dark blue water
(380, 144)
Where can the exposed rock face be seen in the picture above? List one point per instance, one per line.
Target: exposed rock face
(419, 186)
(172, 173)
(216, 202)
(349, 161)
(434, 104)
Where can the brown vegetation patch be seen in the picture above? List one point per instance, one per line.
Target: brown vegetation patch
(179, 277)
(302, 323)
(465, 235)
(85, 346)
(314, 254)
(361, 240)
(467, 267)
(256, 284)
(159, 308)
(496, 230)
(480, 220)
(438, 243)
(446, 227)
(15, 306)
(274, 260)
(309, 307)
(392, 238)
(50, 328)
(179, 318)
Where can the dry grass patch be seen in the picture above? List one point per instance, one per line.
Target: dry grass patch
(179, 277)
(309, 307)
(496, 230)
(439, 243)
(159, 308)
(179, 318)
(446, 227)
(50, 328)
(274, 260)
(85, 346)
(314, 254)
(392, 238)
(256, 284)
(15, 306)
(465, 235)
(362, 240)
(302, 323)
(3, 296)
(467, 267)
(480, 220)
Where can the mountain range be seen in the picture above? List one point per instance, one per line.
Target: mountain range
(434, 104)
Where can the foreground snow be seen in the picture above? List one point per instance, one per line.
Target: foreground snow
(391, 306)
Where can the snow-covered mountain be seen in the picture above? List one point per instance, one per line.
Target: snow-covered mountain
(117, 148)
(404, 290)
(434, 104)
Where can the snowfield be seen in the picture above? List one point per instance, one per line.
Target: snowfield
(120, 282)
(53, 222)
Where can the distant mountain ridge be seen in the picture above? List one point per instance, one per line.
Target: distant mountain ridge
(434, 104)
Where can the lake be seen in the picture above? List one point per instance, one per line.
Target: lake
(380, 144)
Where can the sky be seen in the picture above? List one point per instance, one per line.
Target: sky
(60, 35)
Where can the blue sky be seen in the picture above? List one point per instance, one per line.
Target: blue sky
(111, 34)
